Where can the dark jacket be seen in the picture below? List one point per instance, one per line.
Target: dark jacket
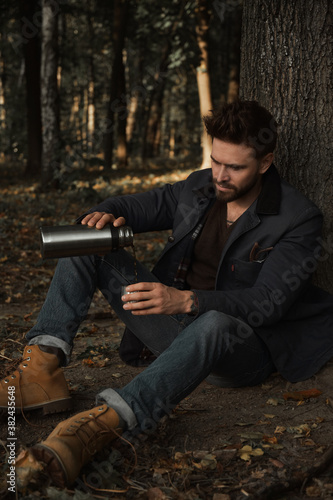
(264, 275)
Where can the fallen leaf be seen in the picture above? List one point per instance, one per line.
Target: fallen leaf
(156, 494)
(272, 401)
(299, 429)
(208, 462)
(276, 463)
(88, 361)
(27, 468)
(247, 452)
(302, 395)
(313, 491)
(270, 439)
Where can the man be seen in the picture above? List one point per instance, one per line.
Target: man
(230, 297)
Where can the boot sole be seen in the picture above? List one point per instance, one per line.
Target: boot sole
(53, 465)
(48, 408)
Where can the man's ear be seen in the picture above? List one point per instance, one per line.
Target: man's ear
(266, 162)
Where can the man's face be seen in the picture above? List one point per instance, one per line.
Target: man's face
(236, 171)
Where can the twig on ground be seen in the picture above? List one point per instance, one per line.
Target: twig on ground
(277, 490)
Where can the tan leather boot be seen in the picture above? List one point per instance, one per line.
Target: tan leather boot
(75, 441)
(39, 382)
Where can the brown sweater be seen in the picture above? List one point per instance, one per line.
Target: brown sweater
(208, 248)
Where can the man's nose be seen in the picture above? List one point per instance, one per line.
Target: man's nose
(222, 175)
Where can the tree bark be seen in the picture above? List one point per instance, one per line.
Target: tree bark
(29, 10)
(3, 124)
(154, 108)
(115, 104)
(286, 64)
(49, 94)
(91, 112)
(203, 77)
(122, 117)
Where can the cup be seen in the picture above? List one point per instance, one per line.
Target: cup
(124, 292)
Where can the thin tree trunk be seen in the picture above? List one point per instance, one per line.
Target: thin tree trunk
(91, 118)
(286, 64)
(122, 117)
(32, 60)
(234, 55)
(49, 95)
(154, 111)
(120, 21)
(136, 106)
(203, 77)
(3, 124)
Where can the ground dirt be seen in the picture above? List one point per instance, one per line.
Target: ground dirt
(220, 444)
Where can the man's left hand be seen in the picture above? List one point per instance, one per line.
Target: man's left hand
(156, 298)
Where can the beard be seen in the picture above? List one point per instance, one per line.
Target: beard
(234, 193)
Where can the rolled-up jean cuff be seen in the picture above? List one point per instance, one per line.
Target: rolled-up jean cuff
(115, 401)
(53, 342)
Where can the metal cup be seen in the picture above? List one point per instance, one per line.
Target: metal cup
(123, 292)
(71, 241)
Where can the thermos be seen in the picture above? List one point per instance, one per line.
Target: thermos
(71, 241)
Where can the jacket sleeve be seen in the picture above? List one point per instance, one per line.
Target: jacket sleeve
(281, 279)
(150, 211)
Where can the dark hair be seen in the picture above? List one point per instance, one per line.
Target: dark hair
(243, 122)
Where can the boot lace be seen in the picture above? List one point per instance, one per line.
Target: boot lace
(87, 434)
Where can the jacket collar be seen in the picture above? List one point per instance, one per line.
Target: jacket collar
(269, 199)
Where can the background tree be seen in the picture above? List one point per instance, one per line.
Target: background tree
(286, 64)
(113, 93)
(117, 88)
(49, 92)
(31, 18)
(203, 75)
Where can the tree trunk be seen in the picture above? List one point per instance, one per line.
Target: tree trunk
(120, 21)
(122, 117)
(3, 123)
(91, 112)
(49, 95)
(286, 64)
(154, 111)
(203, 78)
(234, 54)
(151, 133)
(32, 60)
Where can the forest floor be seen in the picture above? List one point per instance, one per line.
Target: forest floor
(258, 443)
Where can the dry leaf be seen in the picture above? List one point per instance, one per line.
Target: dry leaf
(247, 452)
(272, 401)
(156, 494)
(277, 463)
(270, 439)
(302, 395)
(27, 468)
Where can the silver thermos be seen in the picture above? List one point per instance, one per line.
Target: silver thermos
(71, 241)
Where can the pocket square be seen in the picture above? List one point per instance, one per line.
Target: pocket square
(259, 254)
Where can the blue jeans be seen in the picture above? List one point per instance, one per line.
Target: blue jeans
(188, 349)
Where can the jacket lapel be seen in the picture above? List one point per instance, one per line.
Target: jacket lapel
(267, 203)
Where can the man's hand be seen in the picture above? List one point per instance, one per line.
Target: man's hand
(156, 298)
(100, 219)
